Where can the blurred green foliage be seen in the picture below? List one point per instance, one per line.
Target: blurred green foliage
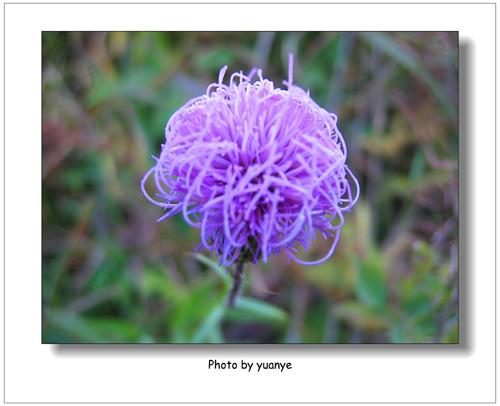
(111, 274)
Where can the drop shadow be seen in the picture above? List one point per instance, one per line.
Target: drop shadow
(465, 201)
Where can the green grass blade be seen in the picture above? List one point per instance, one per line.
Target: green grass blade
(210, 325)
(253, 310)
(388, 45)
(226, 278)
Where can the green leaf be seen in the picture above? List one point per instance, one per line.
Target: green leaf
(396, 333)
(75, 327)
(213, 58)
(417, 166)
(416, 302)
(133, 85)
(163, 285)
(216, 336)
(370, 283)
(253, 310)
(210, 325)
(226, 278)
(114, 330)
(188, 315)
(146, 339)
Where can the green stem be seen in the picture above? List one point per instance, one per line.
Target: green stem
(237, 286)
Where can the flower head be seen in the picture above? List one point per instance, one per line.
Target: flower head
(258, 169)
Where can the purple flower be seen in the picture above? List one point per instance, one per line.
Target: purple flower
(257, 169)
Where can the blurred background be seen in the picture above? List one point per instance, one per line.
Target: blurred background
(111, 274)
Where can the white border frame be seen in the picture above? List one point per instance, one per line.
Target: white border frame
(425, 373)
